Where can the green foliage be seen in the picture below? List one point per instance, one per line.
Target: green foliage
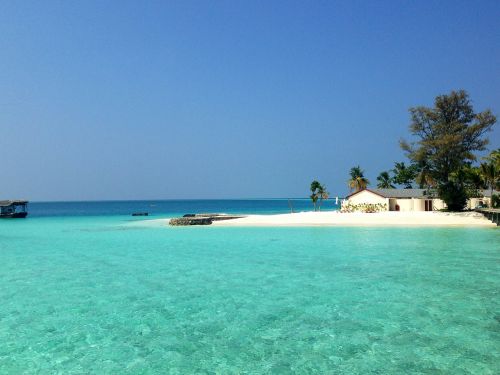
(318, 193)
(424, 177)
(314, 199)
(494, 157)
(314, 192)
(357, 179)
(495, 201)
(490, 174)
(447, 137)
(364, 207)
(322, 194)
(453, 193)
(384, 181)
(404, 175)
(315, 186)
(473, 181)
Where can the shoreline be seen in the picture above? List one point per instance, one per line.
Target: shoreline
(379, 219)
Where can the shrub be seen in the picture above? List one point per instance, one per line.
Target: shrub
(495, 201)
(364, 207)
(454, 195)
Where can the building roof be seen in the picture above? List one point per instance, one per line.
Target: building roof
(10, 203)
(487, 192)
(359, 191)
(402, 193)
(411, 193)
(395, 193)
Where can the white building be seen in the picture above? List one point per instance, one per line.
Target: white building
(485, 200)
(407, 199)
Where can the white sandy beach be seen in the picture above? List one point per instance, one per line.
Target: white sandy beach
(389, 218)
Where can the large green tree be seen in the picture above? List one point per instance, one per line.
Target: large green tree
(447, 135)
(424, 177)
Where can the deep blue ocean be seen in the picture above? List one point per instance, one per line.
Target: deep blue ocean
(87, 289)
(174, 207)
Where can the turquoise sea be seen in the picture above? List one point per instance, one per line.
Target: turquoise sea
(87, 289)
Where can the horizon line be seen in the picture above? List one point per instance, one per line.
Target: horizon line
(172, 199)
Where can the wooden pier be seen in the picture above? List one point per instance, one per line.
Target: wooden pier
(492, 214)
(201, 219)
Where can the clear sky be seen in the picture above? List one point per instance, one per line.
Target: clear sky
(226, 99)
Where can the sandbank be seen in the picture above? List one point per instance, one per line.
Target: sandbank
(389, 218)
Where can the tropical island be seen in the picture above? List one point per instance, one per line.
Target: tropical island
(444, 182)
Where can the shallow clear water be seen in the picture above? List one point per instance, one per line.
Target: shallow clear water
(113, 295)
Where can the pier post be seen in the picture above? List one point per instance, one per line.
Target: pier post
(492, 214)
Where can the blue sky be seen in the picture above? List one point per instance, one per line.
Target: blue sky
(226, 99)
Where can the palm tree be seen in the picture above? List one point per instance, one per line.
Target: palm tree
(322, 194)
(315, 187)
(494, 157)
(473, 181)
(314, 199)
(357, 181)
(384, 181)
(490, 175)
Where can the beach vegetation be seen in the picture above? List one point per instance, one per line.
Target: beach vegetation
(494, 157)
(318, 194)
(446, 137)
(314, 199)
(425, 180)
(384, 181)
(314, 193)
(495, 201)
(454, 194)
(364, 207)
(490, 175)
(473, 181)
(404, 175)
(357, 180)
(322, 194)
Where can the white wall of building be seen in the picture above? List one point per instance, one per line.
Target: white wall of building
(367, 197)
(405, 204)
(474, 202)
(438, 204)
(418, 204)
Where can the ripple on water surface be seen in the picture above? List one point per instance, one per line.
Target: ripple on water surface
(102, 295)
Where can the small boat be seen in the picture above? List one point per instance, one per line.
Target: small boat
(13, 209)
(140, 214)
